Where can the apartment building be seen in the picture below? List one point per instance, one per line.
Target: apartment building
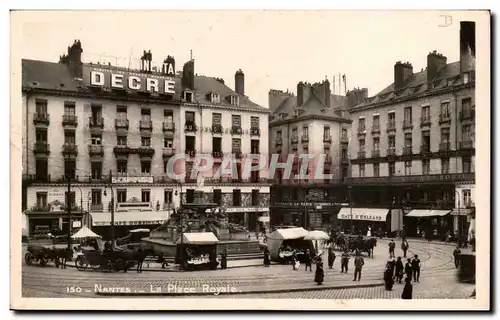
(413, 145)
(112, 131)
(310, 122)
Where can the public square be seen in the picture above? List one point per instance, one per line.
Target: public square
(251, 280)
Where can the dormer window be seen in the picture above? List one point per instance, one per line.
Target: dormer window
(215, 98)
(188, 96)
(466, 78)
(235, 100)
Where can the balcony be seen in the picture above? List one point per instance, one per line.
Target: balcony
(216, 128)
(278, 142)
(391, 152)
(467, 114)
(122, 150)
(121, 124)
(361, 131)
(168, 127)
(375, 129)
(361, 154)
(344, 160)
(407, 151)
(96, 122)
(425, 149)
(96, 150)
(236, 130)
(466, 145)
(69, 120)
(190, 127)
(327, 139)
(444, 118)
(41, 118)
(42, 148)
(217, 154)
(444, 146)
(146, 125)
(391, 126)
(295, 139)
(255, 131)
(375, 153)
(168, 152)
(425, 121)
(407, 125)
(304, 139)
(191, 153)
(237, 154)
(145, 151)
(70, 148)
(412, 179)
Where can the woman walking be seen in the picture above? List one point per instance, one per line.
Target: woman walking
(388, 279)
(320, 273)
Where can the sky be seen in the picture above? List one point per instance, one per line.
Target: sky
(275, 49)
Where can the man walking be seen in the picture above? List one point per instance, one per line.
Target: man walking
(331, 257)
(456, 256)
(408, 269)
(415, 264)
(392, 246)
(307, 260)
(404, 247)
(358, 266)
(399, 270)
(345, 262)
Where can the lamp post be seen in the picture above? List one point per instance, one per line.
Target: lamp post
(110, 185)
(459, 236)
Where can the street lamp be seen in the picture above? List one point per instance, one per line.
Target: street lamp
(112, 210)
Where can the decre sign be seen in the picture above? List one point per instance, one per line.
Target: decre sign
(129, 81)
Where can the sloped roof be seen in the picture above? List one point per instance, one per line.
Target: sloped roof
(290, 233)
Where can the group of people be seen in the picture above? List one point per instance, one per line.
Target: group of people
(395, 269)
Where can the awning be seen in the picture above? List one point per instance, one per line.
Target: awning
(130, 218)
(85, 232)
(264, 219)
(199, 238)
(422, 213)
(365, 214)
(461, 212)
(288, 234)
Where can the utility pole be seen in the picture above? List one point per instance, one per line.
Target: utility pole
(112, 210)
(68, 205)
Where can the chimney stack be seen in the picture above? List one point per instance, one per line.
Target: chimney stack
(188, 75)
(74, 59)
(303, 92)
(356, 97)
(239, 82)
(435, 63)
(402, 71)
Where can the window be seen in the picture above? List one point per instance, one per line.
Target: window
(218, 196)
(255, 197)
(96, 196)
(467, 197)
(426, 166)
(392, 142)
(167, 196)
(426, 140)
(145, 195)
(96, 168)
(376, 121)
(362, 170)
(326, 133)
(254, 122)
(466, 132)
(145, 141)
(121, 141)
(254, 146)
(392, 169)
(168, 143)
(466, 104)
(466, 78)
(69, 108)
(41, 135)
(236, 120)
(278, 135)
(236, 197)
(146, 114)
(121, 166)
(426, 113)
(235, 100)
(96, 140)
(190, 143)
(96, 113)
(344, 154)
(188, 96)
(189, 195)
(376, 144)
(408, 168)
(41, 106)
(392, 119)
(361, 144)
(295, 133)
(70, 168)
(41, 167)
(361, 124)
(215, 98)
(466, 165)
(216, 144)
(121, 195)
(407, 118)
(376, 169)
(145, 167)
(445, 110)
(445, 165)
(408, 140)
(216, 118)
(305, 131)
(121, 112)
(168, 115)
(236, 145)
(344, 134)
(189, 117)
(69, 137)
(41, 199)
(445, 135)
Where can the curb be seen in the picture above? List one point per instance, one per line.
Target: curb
(177, 270)
(261, 291)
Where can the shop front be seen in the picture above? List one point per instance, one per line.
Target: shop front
(309, 215)
(248, 217)
(429, 223)
(361, 220)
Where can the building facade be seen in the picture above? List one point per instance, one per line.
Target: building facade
(311, 122)
(112, 132)
(413, 145)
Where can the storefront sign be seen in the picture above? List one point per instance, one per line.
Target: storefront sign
(242, 209)
(129, 81)
(307, 204)
(132, 180)
(364, 217)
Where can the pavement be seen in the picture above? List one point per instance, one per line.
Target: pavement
(251, 280)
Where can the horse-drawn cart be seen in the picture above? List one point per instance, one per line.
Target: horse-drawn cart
(104, 261)
(43, 253)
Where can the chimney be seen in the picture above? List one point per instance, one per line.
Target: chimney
(170, 61)
(276, 98)
(322, 91)
(188, 75)
(356, 97)
(402, 71)
(239, 82)
(467, 46)
(435, 63)
(74, 59)
(303, 92)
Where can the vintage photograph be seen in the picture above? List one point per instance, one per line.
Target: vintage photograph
(250, 155)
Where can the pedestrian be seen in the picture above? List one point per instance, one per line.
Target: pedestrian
(408, 269)
(294, 261)
(345, 262)
(223, 259)
(404, 247)
(331, 257)
(320, 273)
(392, 265)
(456, 256)
(359, 262)
(267, 258)
(307, 260)
(369, 233)
(415, 265)
(392, 246)
(399, 270)
(388, 280)
(407, 290)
